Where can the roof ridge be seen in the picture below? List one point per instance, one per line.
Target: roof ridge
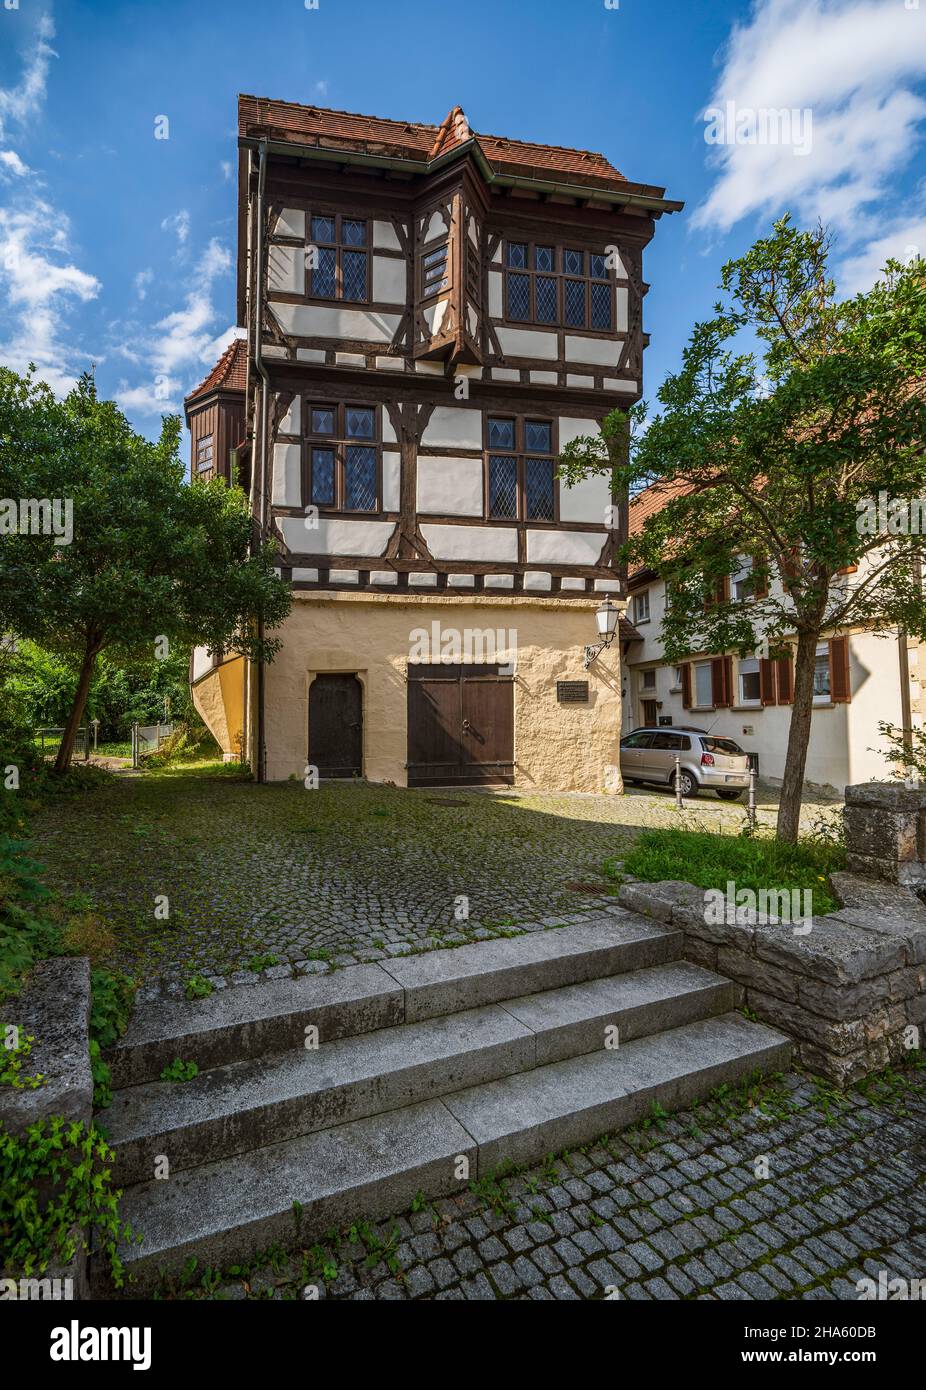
(219, 373)
(337, 111)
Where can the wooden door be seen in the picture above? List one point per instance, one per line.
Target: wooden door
(336, 726)
(650, 712)
(460, 725)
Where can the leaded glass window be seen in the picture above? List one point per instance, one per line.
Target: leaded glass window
(520, 469)
(343, 457)
(558, 286)
(340, 271)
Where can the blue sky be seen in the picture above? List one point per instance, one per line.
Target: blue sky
(117, 248)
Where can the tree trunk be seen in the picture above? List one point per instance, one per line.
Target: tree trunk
(792, 786)
(66, 748)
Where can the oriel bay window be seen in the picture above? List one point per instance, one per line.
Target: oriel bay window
(339, 268)
(564, 286)
(520, 485)
(343, 458)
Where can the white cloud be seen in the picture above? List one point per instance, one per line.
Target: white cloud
(39, 280)
(226, 167)
(180, 344)
(854, 67)
(142, 281)
(179, 224)
(904, 241)
(11, 161)
(18, 103)
(321, 88)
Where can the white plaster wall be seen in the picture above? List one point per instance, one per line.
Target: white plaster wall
(286, 489)
(495, 294)
(286, 269)
(589, 500)
(602, 351)
(336, 537)
(291, 222)
(565, 547)
(389, 285)
(450, 486)
(314, 321)
(291, 422)
(392, 480)
(488, 543)
(453, 427)
(523, 342)
(437, 226)
(384, 236)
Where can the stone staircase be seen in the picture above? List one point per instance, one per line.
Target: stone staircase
(497, 1052)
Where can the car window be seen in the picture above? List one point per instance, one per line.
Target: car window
(672, 741)
(637, 741)
(720, 745)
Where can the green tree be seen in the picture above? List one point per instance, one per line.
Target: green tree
(775, 448)
(153, 563)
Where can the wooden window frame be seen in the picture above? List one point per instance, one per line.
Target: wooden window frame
(560, 275)
(440, 243)
(201, 469)
(339, 442)
(521, 455)
(339, 247)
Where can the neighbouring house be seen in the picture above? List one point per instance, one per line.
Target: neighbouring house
(862, 677)
(431, 315)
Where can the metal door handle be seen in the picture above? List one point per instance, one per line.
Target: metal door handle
(466, 726)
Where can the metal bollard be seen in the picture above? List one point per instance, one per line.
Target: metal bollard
(751, 804)
(678, 783)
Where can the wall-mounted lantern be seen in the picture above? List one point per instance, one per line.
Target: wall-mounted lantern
(606, 618)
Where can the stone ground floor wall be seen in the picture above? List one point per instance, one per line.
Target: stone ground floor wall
(561, 747)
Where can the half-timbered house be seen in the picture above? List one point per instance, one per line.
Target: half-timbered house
(431, 316)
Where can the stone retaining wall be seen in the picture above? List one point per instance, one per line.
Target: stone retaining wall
(851, 993)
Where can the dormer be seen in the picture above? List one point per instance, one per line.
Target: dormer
(215, 415)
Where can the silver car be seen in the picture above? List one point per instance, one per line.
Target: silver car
(705, 761)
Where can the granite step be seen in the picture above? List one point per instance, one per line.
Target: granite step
(267, 1099)
(295, 1190)
(272, 1015)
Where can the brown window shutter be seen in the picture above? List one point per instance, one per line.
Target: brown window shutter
(723, 589)
(760, 573)
(840, 693)
(686, 685)
(848, 569)
(728, 680)
(785, 674)
(766, 682)
(719, 682)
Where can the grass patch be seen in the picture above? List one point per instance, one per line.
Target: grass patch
(711, 861)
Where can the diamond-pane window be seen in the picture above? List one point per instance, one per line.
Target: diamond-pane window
(359, 422)
(323, 229)
(538, 489)
(574, 262)
(574, 303)
(323, 420)
(517, 255)
(324, 277)
(598, 267)
(538, 437)
(545, 291)
(354, 274)
(543, 257)
(601, 306)
(360, 479)
(323, 477)
(519, 297)
(503, 486)
(501, 434)
(353, 233)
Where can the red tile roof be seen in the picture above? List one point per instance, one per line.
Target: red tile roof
(228, 374)
(651, 500)
(348, 131)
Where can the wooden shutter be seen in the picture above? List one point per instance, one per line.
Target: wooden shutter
(784, 672)
(848, 569)
(840, 693)
(721, 674)
(766, 682)
(686, 685)
(760, 577)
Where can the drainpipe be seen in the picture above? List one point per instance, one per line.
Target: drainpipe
(260, 751)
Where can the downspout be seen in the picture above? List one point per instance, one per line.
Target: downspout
(260, 751)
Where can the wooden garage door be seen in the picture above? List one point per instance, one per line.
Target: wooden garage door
(336, 726)
(460, 725)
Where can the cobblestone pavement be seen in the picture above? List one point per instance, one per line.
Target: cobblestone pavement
(345, 873)
(674, 1211)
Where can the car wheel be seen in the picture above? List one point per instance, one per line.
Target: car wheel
(729, 795)
(688, 784)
